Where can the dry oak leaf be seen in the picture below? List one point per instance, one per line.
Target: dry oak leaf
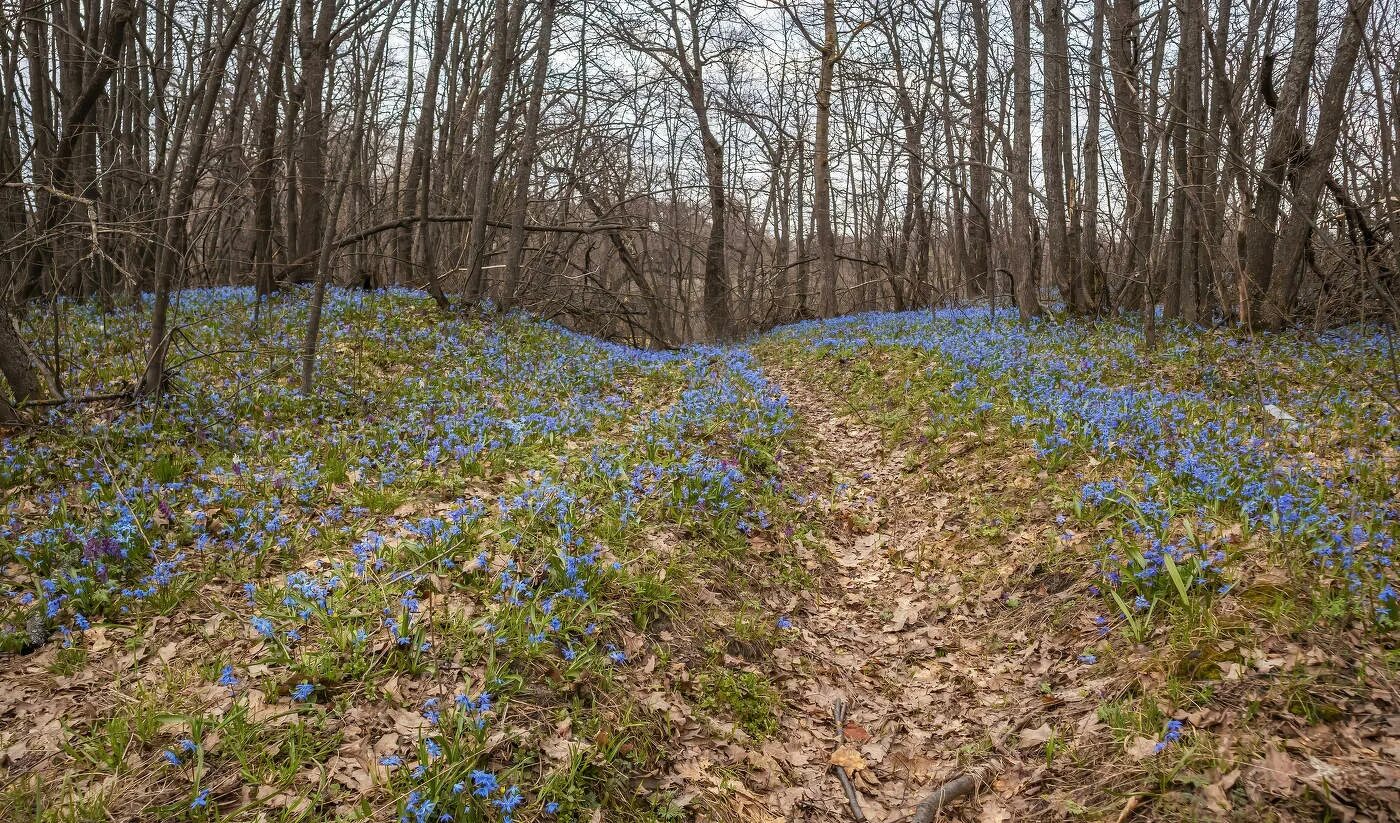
(856, 733)
(1276, 772)
(848, 759)
(1217, 794)
(993, 812)
(1037, 736)
(1141, 748)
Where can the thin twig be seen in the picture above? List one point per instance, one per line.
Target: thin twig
(838, 711)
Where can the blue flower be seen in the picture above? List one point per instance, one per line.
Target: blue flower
(264, 627)
(303, 692)
(508, 801)
(784, 622)
(1170, 736)
(483, 783)
(201, 800)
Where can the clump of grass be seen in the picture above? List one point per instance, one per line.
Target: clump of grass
(743, 697)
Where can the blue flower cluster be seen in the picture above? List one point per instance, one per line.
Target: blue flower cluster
(342, 519)
(1194, 445)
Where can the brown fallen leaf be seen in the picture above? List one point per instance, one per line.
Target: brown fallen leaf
(1217, 794)
(1276, 772)
(855, 733)
(848, 759)
(993, 812)
(1037, 736)
(1141, 748)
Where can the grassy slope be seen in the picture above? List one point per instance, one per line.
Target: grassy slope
(495, 566)
(424, 592)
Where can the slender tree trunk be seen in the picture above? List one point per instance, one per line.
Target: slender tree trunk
(979, 231)
(1313, 172)
(486, 149)
(1284, 143)
(1022, 264)
(515, 249)
(1093, 294)
(173, 251)
(821, 162)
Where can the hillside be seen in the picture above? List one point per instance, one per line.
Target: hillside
(497, 570)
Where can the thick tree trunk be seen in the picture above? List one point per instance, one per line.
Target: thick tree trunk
(264, 171)
(486, 149)
(1128, 115)
(1054, 134)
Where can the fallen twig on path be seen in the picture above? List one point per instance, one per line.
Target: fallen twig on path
(839, 713)
(964, 783)
(949, 791)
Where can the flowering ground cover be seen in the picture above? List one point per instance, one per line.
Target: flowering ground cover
(1204, 535)
(415, 596)
(495, 570)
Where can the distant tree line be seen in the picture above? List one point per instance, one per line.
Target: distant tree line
(675, 170)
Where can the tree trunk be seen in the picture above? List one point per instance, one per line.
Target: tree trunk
(979, 230)
(1313, 171)
(173, 251)
(1054, 134)
(821, 162)
(515, 249)
(264, 170)
(1284, 143)
(486, 149)
(1093, 294)
(1022, 266)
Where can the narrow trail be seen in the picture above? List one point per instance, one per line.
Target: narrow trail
(937, 673)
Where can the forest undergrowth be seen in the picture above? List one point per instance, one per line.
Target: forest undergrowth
(495, 570)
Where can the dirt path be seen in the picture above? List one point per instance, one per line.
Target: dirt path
(908, 623)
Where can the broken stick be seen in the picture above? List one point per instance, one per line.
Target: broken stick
(839, 712)
(961, 785)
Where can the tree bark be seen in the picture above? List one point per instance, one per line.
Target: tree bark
(1022, 266)
(1284, 143)
(1313, 172)
(529, 141)
(486, 149)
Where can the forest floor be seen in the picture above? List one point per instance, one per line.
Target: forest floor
(499, 571)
